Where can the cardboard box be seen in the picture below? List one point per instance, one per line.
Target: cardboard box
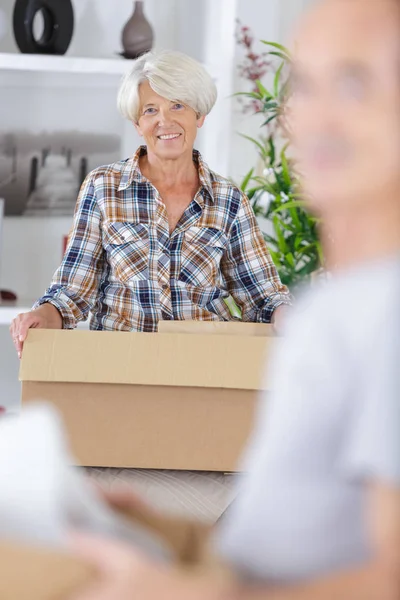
(142, 400)
(32, 573)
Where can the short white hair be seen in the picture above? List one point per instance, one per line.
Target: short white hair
(172, 75)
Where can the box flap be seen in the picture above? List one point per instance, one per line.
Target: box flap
(220, 361)
(216, 328)
(29, 573)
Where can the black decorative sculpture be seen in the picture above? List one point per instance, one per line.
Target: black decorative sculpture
(58, 26)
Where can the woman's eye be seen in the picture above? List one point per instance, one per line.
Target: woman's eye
(178, 106)
(149, 111)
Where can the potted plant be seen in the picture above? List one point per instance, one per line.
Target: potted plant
(274, 191)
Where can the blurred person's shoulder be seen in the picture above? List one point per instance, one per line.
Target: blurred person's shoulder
(361, 296)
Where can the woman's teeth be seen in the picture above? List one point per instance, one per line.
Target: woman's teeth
(170, 136)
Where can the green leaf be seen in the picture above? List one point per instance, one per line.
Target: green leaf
(246, 180)
(263, 90)
(320, 253)
(254, 141)
(308, 248)
(249, 95)
(279, 234)
(270, 105)
(269, 120)
(280, 47)
(285, 88)
(290, 204)
(233, 308)
(309, 268)
(290, 259)
(271, 147)
(280, 55)
(251, 193)
(275, 257)
(286, 227)
(277, 79)
(299, 242)
(285, 279)
(285, 169)
(295, 217)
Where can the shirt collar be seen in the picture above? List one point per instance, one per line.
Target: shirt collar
(131, 172)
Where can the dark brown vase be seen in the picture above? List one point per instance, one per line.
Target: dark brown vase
(137, 35)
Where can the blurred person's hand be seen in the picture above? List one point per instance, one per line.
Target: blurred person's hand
(124, 574)
(44, 317)
(122, 498)
(279, 317)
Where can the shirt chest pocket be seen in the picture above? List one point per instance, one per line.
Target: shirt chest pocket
(128, 250)
(202, 251)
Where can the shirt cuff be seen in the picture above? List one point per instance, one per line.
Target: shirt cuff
(274, 301)
(65, 307)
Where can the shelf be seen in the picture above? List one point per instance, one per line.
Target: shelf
(42, 63)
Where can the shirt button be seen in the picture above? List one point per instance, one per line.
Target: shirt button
(165, 286)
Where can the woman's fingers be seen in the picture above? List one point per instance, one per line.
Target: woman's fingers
(20, 326)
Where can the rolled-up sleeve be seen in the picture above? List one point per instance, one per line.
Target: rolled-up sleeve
(249, 271)
(74, 287)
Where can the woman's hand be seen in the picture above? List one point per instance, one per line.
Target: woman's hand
(44, 317)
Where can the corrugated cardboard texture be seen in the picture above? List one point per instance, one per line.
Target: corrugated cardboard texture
(217, 328)
(152, 427)
(219, 361)
(31, 573)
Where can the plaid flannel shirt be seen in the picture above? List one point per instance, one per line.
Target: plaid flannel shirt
(124, 267)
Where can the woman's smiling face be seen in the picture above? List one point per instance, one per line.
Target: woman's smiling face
(169, 128)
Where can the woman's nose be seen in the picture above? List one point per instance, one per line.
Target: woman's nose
(164, 117)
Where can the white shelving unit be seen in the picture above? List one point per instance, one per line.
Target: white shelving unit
(46, 72)
(42, 63)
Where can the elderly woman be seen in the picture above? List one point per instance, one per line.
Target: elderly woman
(160, 235)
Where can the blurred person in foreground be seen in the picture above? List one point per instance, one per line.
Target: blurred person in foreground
(160, 236)
(318, 514)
